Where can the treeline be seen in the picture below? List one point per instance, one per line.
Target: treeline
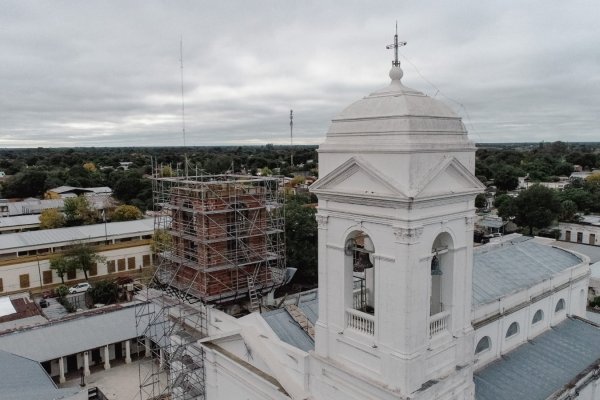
(34, 171)
(542, 163)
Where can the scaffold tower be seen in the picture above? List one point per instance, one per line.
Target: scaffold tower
(219, 239)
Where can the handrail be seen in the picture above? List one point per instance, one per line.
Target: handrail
(438, 323)
(360, 321)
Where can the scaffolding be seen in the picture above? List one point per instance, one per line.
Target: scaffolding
(219, 239)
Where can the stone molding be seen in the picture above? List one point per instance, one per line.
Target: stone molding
(408, 235)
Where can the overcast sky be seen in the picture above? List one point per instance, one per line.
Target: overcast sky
(107, 73)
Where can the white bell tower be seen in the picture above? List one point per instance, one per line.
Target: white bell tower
(396, 207)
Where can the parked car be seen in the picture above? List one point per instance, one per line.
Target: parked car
(43, 303)
(80, 288)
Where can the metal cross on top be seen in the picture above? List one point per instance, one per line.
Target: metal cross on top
(395, 46)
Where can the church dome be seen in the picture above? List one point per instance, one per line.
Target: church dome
(398, 114)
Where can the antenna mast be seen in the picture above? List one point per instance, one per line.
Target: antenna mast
(292, 137)
(182, 98)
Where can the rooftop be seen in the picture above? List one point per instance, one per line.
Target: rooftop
(288, 330)
(542, 366)
(20, 241)
(508, 267)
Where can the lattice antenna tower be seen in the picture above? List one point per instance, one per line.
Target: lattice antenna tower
(292, 137)
(395, 46)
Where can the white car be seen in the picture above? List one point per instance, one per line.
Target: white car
(80, 288)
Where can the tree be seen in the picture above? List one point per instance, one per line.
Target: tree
(506, 178)
(90, 167)
(568, 210)
(126, 213)
(82, 256)
(301, 238)
(29, 183)
(51, 218)
(105, 292)
(161, 241)
(59, 263)
(593, 179)
(537, 207)
(78, 211)
(480, 201)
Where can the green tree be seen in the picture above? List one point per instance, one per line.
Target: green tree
(568, 210)
(29, 183)
(78, 211)
(301, 238)
(105, 292)
(161, 241)
(59, 263)
(480, 201)
(82, 256)
(51, 218)
(126, 213)
(537, 207)
(506, 178)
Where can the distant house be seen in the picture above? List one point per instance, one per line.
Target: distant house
(63, 192)
(586, 231)
(124, 165)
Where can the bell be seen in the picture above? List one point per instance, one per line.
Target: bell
(363, 262)
(435, 266)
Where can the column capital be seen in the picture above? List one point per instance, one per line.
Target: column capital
(408, 235)
(322, 220)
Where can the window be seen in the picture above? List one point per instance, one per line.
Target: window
(24, 281)
(121, 264)
(484, 344)
(579, 237)
(568, 236)
(93, 269)
(72, 274)
(131, 263)
(1, 285)
(592, 238)
(47, 277)
(146, 260)
(538, 316)
(110, 266)
(560, 305)
(513, 329)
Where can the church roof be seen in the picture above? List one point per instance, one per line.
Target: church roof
(499, 270)
(288, 330)
(542, 366)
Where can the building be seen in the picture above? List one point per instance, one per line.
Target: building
(25, 256)
(64, 192)
(406, 308)
(587, 231)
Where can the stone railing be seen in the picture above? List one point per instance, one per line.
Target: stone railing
(438, 323)
(360, 321)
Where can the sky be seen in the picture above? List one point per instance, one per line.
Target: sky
(107, 73)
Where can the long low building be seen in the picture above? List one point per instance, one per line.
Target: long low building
(25, 256)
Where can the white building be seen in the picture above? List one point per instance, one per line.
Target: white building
(406, 308)
(25, 256)
(587, 231)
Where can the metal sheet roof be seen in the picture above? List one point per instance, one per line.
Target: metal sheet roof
(505, 268)
(593, 252)
(542, 366)
(19, 220)
(12, 242)
(61, 338)
(288, 330)
(24, 379)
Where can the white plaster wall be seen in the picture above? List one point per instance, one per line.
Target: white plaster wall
(586, 230)
(10, 273)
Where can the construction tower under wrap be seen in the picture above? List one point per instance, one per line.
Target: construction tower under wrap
(219, 239)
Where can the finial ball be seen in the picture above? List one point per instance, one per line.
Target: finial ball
(396, 73)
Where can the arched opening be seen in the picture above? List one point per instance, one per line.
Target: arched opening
(359, 252)
(559, 306)
(512, 330)
(484, 344)
(441, 271)
(538, 316)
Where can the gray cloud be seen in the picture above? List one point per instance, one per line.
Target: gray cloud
(107, 73)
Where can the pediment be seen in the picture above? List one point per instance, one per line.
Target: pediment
(450, 176)
(357, 177)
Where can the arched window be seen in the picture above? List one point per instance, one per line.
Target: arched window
(484, 344)
(441, 264)
(359, 251)
(538, 316)
(513, 329)
(560, 305)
